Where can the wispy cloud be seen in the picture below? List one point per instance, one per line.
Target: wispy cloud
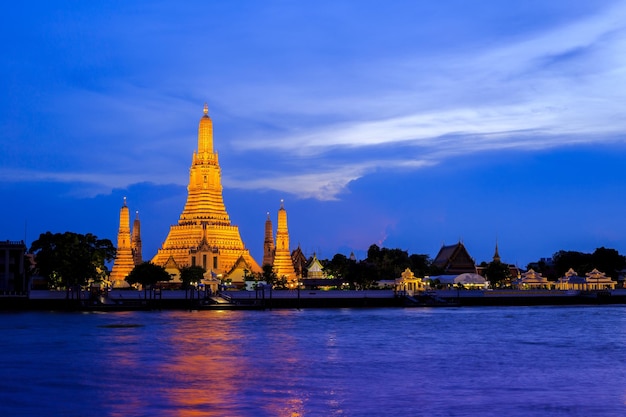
(542, 88)
(550, 89)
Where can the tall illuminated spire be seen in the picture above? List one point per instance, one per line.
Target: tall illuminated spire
(204, 235)
(205, 133)
(283, 264)
(124, 262)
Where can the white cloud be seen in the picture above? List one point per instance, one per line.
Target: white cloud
(324, 184)
(560, 85)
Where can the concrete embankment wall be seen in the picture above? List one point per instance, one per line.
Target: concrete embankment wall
(178, 299)
(316, 299)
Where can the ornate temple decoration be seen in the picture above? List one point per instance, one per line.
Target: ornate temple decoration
(283, 264)
(124, 260)
(204, 235)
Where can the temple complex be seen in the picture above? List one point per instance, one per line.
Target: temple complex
(124, 260)
(283, 264)
(204, 235)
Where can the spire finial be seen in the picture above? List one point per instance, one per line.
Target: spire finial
(206, 109)
(282, 203)
(124, 201)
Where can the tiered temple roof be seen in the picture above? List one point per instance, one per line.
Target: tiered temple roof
(454, 260)
(124, 260)
(204, 217)
(283, 264)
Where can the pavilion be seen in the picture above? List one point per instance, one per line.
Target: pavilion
(533, 280)
(409, 283)
(597, 280)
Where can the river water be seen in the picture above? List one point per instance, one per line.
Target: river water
(505, 361)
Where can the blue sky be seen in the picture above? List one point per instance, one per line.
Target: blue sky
(408, 125)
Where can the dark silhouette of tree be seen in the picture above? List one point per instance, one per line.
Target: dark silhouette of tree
(338, 267)
(564, 260)
(608, 261)
(605, 260)
(148, 274)
(419, 264)
(268, 275)
(498, 274)
(380, 264)
(544, 268)
(189, 274)
(387, 263)
(72, 259)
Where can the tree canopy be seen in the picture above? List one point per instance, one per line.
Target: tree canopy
(605, 260)
(498, 274)
(268, 275)
(69, 259)
(148, 274)
(189, 274)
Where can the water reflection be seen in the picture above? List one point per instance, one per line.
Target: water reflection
(491, 362)
(218, 368)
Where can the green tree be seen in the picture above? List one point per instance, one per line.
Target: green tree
(268, 275)
(362, 275)
(70, 259)
(338, 267)
(564, 260)
(387, 263)
(419, 264)
(147, 274)
(498, 274)
(189, 274)
(604, 259)
(608, 261)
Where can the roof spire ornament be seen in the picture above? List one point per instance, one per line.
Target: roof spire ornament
(206, 109)
(496, 255)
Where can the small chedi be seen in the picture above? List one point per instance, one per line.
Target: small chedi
(278, 254)
(204, 235)
(128, 248)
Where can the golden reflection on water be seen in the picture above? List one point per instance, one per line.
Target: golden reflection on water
(215, 372)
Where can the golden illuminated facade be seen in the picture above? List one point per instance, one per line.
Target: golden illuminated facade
(283, 264)
(204, 235)
(124, 261)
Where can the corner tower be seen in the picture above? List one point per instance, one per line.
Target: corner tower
(283, 264)
(268, 243)
(124, 262)
(136, 240)
(204, 217)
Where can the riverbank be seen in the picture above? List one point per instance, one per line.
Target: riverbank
(129, 300)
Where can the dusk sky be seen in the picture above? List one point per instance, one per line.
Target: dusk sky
(408, 124)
